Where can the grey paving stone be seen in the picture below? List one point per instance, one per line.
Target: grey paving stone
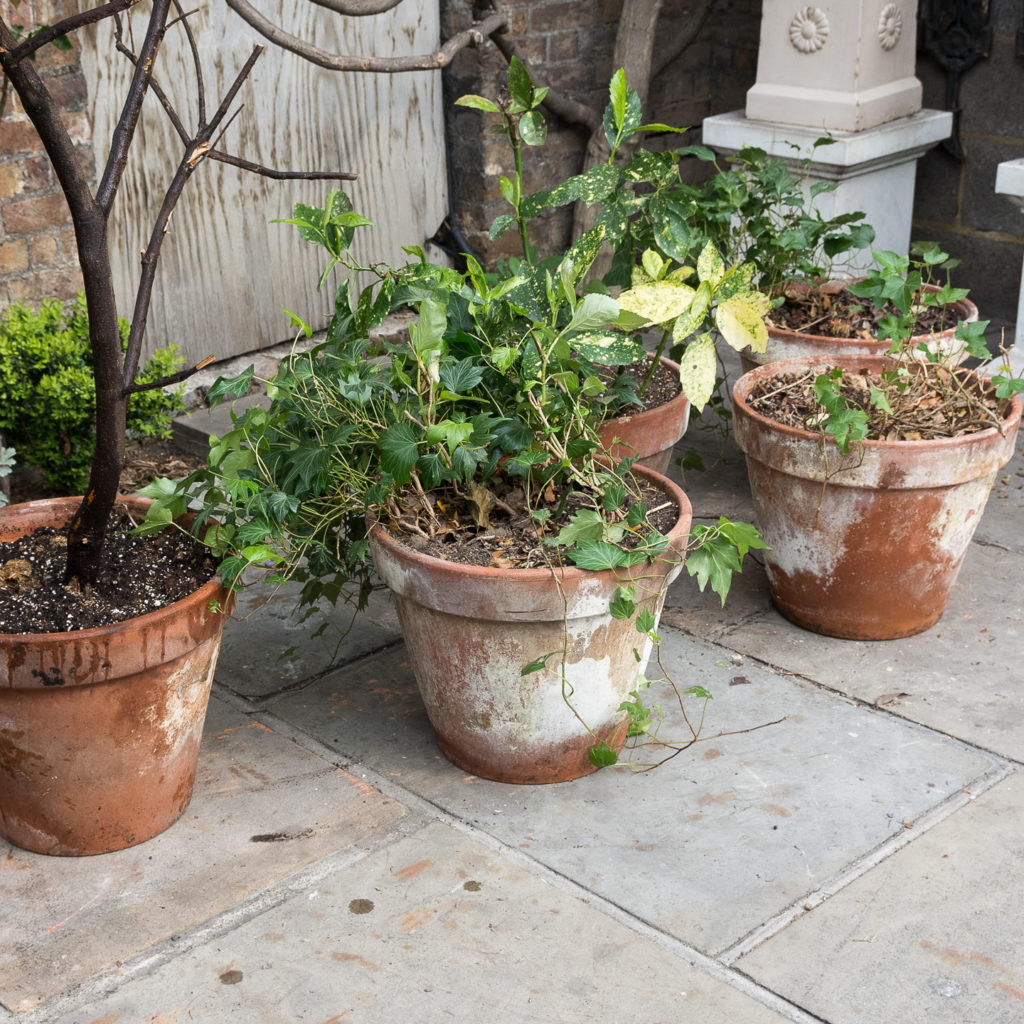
(439, 928)
(962, 677)
(268, 647)
(933, 933)
(75, 917)
(712, 844)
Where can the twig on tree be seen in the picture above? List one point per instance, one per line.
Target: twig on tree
(270, 172)
(472, 36)
(174, 378)
(358, 8)
(196, 64)
(75, 21)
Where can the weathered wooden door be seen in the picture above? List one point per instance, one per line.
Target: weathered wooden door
(226, 271)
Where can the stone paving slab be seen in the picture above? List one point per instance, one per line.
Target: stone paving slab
(964, 676)
(932, 934)
(438, 927)
(263, 808)
(267, 646)
(712, 844)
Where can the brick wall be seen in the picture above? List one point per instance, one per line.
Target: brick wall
(38, 259)
(955, 201)
(568, 45)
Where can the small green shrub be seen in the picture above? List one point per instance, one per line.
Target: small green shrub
(47, 396)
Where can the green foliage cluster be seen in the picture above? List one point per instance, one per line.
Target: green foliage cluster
(6, 465)
(47, 394)
(907, 285)
(759, 209)
(497, 386)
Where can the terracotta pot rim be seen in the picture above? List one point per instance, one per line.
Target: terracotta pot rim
(745, 383)
(678, 400)
(966, 307)
(566, 572)
(212, 588)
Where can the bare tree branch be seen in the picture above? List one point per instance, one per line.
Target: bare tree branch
(117, 158)
(196, 64)
(472, 36)
(158, 91)
(358, 8)
(75, 21)
(270, 172)
(174, 378)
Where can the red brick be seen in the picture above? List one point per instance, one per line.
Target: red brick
(18, 136)
(11, 180)
(563, 46)
(14, 257)
(561, 16)
(37, 214)
(47, 284)
(43, 249)
(39, 176)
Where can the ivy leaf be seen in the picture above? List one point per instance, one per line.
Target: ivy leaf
(398, 451)
(602, 756)
(540, 664)
(623, 604)
(597, 555)
(463, 376)
(714, 562)
(230, 387)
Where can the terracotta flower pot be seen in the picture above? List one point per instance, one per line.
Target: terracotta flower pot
(470, 631)
(650, 434)
(100, 728)
(784, 344)
(865, 546)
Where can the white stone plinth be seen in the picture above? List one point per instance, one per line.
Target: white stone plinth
(873, 169)
(1010, 183)
(845, 65)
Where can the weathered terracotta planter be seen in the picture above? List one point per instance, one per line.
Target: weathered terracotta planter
(100, 728)
(783, 344)
(649, 435)
(866, 546)
(470, 631)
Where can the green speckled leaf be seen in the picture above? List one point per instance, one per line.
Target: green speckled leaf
(672, 228)
(693, 318)
(615, 221)
(658, 168)
(741, 320)
(532, 128)
(710, 265)
(584, 250)
(591, 187)
(739, 279)
(608, 349)
(501, 225)
(697, 369)
(659, 302)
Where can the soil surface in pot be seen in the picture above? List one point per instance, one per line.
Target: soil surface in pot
(139, 575)
(809, 310)
(490, 526)
(144, 462)
(663, 388)
(936, 404)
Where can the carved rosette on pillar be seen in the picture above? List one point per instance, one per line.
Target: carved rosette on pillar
(846, 66)
(845, 69)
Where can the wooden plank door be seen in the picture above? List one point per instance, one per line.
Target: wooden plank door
(226, 271)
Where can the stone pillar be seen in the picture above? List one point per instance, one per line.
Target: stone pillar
(1010, 182)
(843, 69)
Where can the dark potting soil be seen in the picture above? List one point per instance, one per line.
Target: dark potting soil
(664, 385)
(138, 575)
(935, 404)
(490, 526)
(838, 314)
